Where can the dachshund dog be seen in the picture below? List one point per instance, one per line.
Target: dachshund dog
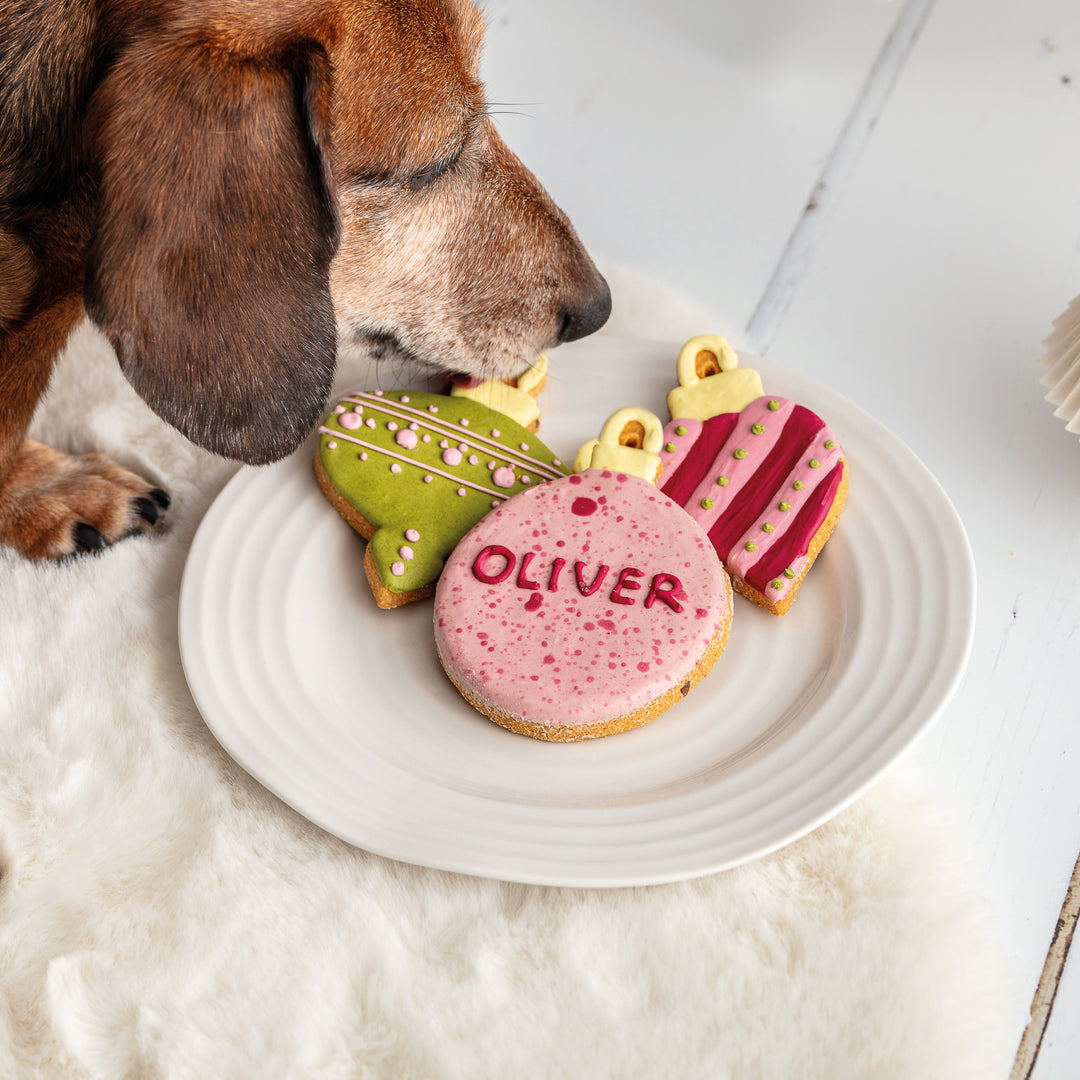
(227, 188)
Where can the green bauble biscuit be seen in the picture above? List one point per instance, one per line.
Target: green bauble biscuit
(414, 471)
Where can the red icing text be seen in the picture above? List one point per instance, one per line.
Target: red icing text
(495, 564)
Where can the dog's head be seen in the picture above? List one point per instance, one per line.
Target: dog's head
(273, 175)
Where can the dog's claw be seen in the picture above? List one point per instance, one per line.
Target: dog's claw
(87, 538)
(160, 497)
(147, 509)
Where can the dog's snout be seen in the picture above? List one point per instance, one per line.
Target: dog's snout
(586, 318)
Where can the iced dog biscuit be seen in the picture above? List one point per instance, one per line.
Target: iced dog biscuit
(583, 607)
(764, 477)
(413, 472)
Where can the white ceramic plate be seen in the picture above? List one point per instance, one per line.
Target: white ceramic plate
(343, 711)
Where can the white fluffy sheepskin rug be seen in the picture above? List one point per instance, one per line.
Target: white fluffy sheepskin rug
(161, 915)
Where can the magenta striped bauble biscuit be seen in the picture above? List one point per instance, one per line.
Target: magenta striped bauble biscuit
(767, 485)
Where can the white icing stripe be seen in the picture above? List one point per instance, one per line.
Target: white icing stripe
(409, 461)
(739, 471)
(739, 561)
(443, 427)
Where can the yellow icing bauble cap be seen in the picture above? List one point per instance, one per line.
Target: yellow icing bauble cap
(688, 366)
(711, 381)
(629, 442)
(518, 402)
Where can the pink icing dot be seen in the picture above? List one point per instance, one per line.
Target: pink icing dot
(414, 425)
(350, 420)
(406, 438)
(464, 421)
(404, 399)
(463, 446)
(331, 445)
(452, 456)
(524, 446)
(461, 492)
(395, 468)
(427, 437)
(556, 461)
(473, 459)
(444, 444)
(405, 552)
(370, 421)
(495, 432)
(525, 478)
(428, 478)
(339, 409)
(433, 408)
(397, 569)
(412, 535)
(503, 477)
(363, 455)
(391, 426)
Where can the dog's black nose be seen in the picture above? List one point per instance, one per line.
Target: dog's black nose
(581, 321)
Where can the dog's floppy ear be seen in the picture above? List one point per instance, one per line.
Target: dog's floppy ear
(209, 265)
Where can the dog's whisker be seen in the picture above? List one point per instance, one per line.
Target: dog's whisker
(509, 108)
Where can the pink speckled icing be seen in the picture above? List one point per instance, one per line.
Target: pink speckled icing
(579, 600)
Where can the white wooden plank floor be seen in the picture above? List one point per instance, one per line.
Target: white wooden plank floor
(887, 196)
(682, 139)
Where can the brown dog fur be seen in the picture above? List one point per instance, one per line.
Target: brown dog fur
(228, 186)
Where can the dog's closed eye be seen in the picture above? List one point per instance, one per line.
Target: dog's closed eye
(416, 181)
(428, 175)
(424, 176)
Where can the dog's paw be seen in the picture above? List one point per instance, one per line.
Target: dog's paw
(54, 505)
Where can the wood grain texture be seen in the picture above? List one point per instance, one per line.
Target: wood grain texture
(1046, 992)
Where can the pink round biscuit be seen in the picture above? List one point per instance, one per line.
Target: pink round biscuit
(581, 607)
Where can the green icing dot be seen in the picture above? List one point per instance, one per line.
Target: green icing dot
(776, 583)
(785, 506)
(814, 463)
(680, 430)
(829, 444)
(774, 405)
(707, 504)
(723, 481)
(751, 546)
(671, 448)
(798, 485)
(789, 573)
(768, 528)
(757, 429)
(741, 453)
